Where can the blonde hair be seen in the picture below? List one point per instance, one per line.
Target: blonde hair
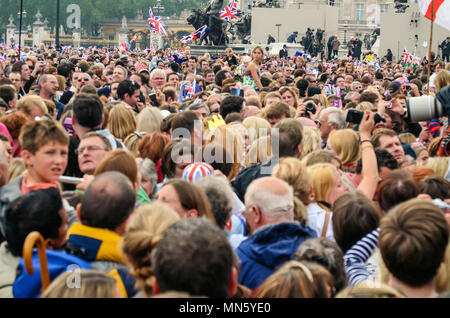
(322, 99)
(27, 102)
(345, 143)
(144, 230)
(230, 139)
(323, 177)
(132, 142)
(439, 165)
(312, 140)
(149, 120)
(365, 106)
(16, 168)
(441, 80)
(93, 284)
(121, 121)
(256, 126)
(295, 174)
(370, 289)
(407, 138)
(260, 151)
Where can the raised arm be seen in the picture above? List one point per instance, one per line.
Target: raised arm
(369, 182)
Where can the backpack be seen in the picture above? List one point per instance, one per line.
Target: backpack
(29, 286)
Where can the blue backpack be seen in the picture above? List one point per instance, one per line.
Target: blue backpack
(29, 286)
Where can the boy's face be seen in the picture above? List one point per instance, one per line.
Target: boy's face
(48, 163)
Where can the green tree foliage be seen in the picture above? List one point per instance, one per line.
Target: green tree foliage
(93, 12)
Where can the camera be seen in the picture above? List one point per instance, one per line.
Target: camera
(355, 116)
(152, 97)
(426, 107)
(310, 107)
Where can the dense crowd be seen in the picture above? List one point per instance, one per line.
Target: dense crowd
(157, 173)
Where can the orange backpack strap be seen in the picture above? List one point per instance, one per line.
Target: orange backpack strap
(325, 224)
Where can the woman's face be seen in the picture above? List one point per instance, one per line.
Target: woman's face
(182, 163)
(146, 184)
(169, 197)
(257, 55)
(422, 158)
(288, 98)
(339, 188)
(48, 163)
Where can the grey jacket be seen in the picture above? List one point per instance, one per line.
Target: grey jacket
(11, 191)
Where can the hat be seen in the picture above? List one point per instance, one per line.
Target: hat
(141, 67)
(196, 170)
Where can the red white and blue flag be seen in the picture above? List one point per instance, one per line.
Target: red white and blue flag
(193, 89)
(230, 11)
(135, 37)
(199, 33)
(405, 56)
(156, 24)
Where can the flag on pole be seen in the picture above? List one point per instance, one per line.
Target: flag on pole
(199, 33)
(135, 37)
(440, 11)
(230, 11)
(193, 89)
(405, 56)
(156, 24)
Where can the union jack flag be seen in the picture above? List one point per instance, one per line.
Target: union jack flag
(405, 56)
(193, 89)
(135, 37)
(196, 35)
(156, 24)
(230, 11)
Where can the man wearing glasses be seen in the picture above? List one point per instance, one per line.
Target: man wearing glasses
(92, 149)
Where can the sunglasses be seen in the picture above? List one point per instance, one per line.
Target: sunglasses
(83, 79)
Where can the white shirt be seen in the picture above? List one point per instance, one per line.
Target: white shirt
(316, 220)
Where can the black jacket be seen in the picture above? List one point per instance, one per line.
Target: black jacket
(247, 175)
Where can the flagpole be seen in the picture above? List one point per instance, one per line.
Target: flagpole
(429, 47)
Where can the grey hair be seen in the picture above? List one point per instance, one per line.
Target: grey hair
(196, 106)
(274, 206)
(220, 196)
(155, 71)
(335, 116)
(147, 168)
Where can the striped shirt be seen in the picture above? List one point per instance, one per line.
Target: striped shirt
(356, 257)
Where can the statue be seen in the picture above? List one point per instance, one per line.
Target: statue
(370, 39)
(211, 17)
(242, 27)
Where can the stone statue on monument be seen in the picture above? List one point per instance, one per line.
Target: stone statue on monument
(210, 16)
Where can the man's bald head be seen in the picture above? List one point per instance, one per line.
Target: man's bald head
(273, 197)
(108, 201)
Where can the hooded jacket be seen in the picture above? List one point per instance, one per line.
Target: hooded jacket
(271, 246)
(100, 247)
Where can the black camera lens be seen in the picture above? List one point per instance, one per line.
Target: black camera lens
(310, 107)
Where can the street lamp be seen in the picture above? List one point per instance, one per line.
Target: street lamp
(278, 26)
(57, 26)
(159, 7)
(345, 34)
(21, 14)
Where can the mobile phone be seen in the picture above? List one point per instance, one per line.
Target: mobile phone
(237, 92)
(152, 97)
(336, 103)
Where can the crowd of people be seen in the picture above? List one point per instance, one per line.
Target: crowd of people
(164, 174)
